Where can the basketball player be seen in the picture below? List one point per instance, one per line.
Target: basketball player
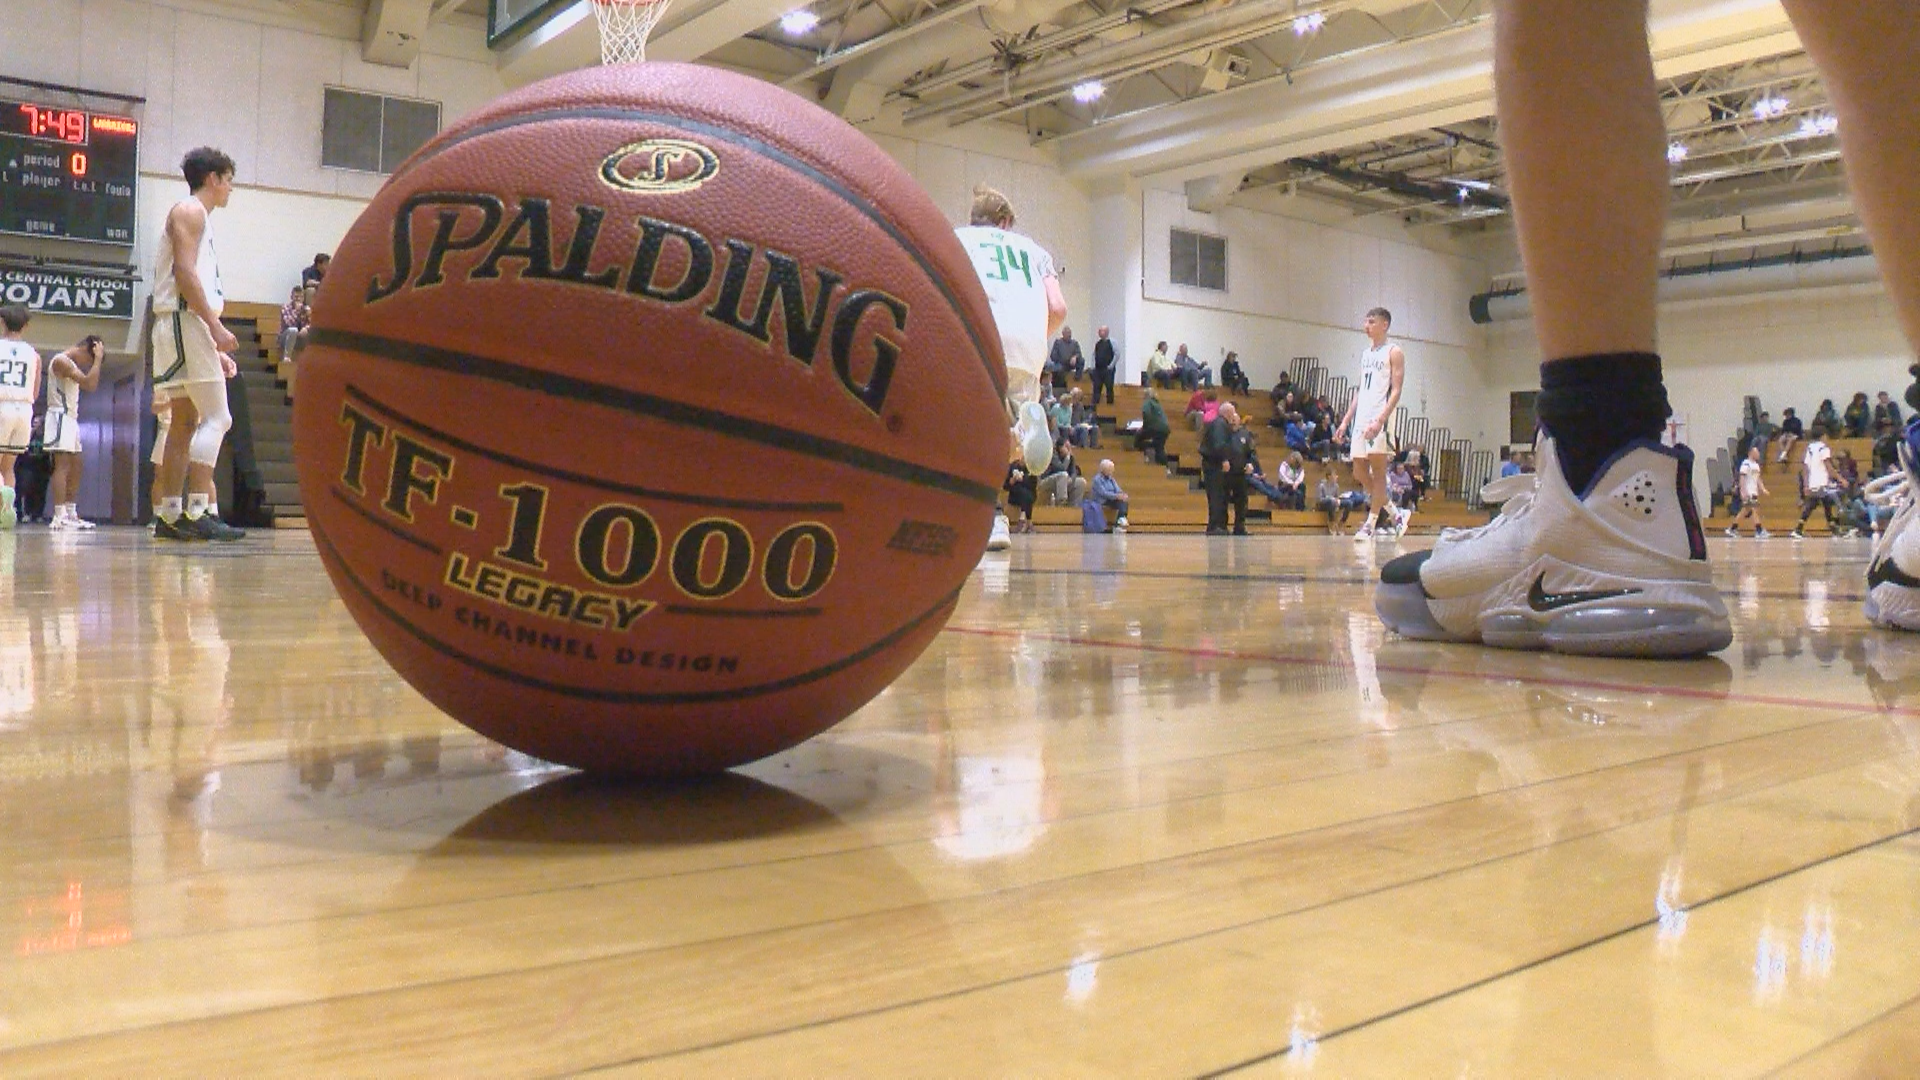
(1028, 308)
(68, 373)
(1605, 556)
(190, 352)
(1750, 488)
(1383, 368)
(19, 385)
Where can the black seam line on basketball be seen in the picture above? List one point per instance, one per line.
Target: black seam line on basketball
(831, 183)
(658, 408)
(1561, 954)
(728, 613)
(457, 443)
(626, 697)
(396, 531)
(1896, 1007)
(1200, 935)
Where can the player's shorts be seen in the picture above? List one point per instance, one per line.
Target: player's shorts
(16, 426)
(183, 351)
(61, 435)
(1382, 445)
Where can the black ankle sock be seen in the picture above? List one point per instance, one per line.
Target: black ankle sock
(1594, 405)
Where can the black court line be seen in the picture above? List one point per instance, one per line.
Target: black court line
(982, 348)
(600, 483)
(1519, 969)
(620, 697)
(652, 406)
(395, 531)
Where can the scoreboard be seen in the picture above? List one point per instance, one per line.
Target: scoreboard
(67, 173)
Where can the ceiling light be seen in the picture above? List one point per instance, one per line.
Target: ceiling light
(1309, 24)
(1089, 92)
(799, 21)
(1769, 107)
(1815, 126)
(1676, 153)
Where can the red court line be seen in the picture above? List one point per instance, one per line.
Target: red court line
(1469, 676)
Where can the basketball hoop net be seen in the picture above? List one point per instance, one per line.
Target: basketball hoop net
(624, 26)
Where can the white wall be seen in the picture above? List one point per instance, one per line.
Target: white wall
(1302, 288)
(1053, 210)
(246, 77)
(1792, 349)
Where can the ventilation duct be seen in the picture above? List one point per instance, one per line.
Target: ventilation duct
(1749, 278)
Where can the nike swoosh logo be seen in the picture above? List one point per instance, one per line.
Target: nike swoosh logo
(1885, 572)
(1540, 600)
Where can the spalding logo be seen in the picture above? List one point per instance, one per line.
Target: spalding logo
(659, 166)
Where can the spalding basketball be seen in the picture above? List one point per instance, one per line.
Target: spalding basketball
(651, 420)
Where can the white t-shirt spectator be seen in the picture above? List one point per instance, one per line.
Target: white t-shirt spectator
(1750, 480)
(1816, 462)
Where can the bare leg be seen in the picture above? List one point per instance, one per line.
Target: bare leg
(6, 470)
(1377, 502)
(1363, 479)
(1866, 55)
(171, 477)
(61, 487)
(1577, 102)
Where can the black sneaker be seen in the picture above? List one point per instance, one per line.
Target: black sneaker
(208, 527)
(166, 530)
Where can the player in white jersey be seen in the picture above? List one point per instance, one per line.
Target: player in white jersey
(191, 350)
(19, 386)
(1750, 487)
(1383, 368)
(68, 373)
(1028, 309)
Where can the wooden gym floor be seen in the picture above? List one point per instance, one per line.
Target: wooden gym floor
(1152, 806)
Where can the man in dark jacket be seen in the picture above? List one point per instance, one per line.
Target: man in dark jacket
(1216, 465)
(1064, 360)
(1103, 367)
(1243, 461)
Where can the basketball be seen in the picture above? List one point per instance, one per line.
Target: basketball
(651, 420)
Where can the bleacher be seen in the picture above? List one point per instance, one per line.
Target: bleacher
(1780, 508)
(1171, 499)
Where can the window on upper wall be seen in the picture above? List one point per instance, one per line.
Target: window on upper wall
(1199, 260)
(373, 132)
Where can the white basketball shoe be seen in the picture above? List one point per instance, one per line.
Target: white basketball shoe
(1030, 431)
(1620, 570)
(1001, 538)
(1893, 574)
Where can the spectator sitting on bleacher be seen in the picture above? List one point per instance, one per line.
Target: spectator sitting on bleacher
(1282, 387)
(1065, 360)
(295, 315)
(1084, 427)
(1415, 459)
(1858, 415)
(1762, 435)
(1290, 479)
(1159, 371)
(1846, 470)
(1509, 464)
(1790, 432)
(1232, 377)
(1326, 499)
(317, 272)
(1061, 482)
(1022, 489)
(1107, 492)
(1886, 415)
(1192, 372)
(1351, 501)
(1281, 409)
(1059, 418)
(1825, 417)
(1202, 407)
(1154, 428)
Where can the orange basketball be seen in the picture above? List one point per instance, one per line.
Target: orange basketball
(652, 420)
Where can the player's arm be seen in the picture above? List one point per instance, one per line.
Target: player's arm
(1353, 405)
(65, 366)
(33, 378)
(186, 224)
(1056, 306)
